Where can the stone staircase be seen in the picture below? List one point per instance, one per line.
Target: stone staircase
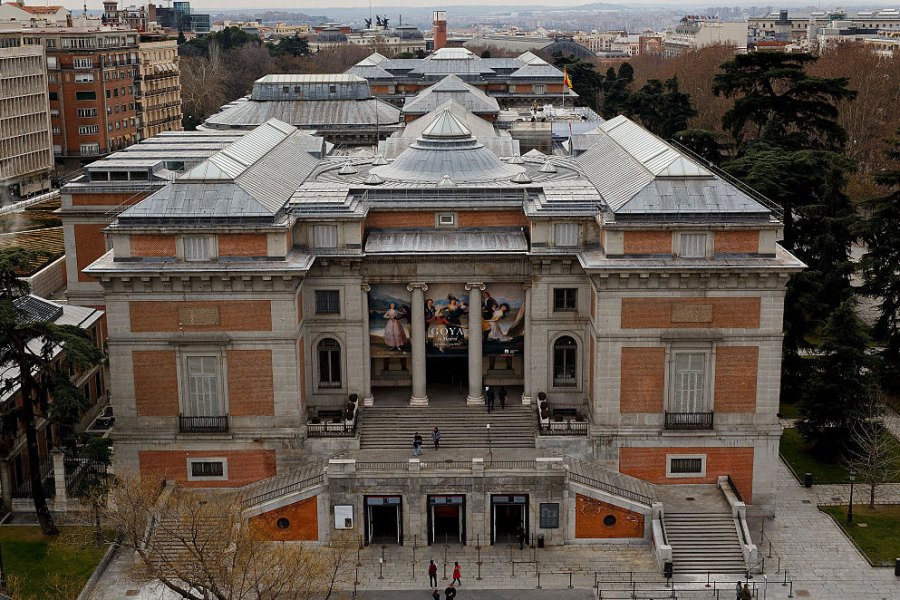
(704, 542)
(462, 426)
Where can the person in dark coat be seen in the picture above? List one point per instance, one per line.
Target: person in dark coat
(417, 444)
(450, 592)
(436, 438)
(432, 574)
(520, 533)
(435, 594)
(489, 398)
(502, 395)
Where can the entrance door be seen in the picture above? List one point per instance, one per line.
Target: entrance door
(384, 520)
(447, 519)
(507, 514)
(448, 371)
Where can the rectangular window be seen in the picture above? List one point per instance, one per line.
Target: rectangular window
(53, 96)
(329, 364)
(325, 236)
(85, 95)
(692, 245)
(207, 469)
(202, 374)
(446, 220)
(686, 465)
(566, 234)
(689, 383)
(88, 130)
(87, 112)
(328, 302)
(55, 130)
(84, 77)
(82, 63)
(89, 149)
(539, 88)
(565, 299)
(196, 247)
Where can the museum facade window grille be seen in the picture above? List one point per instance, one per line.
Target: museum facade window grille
(329, 351)
(565, 362)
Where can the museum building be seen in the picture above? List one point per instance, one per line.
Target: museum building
(282, 322)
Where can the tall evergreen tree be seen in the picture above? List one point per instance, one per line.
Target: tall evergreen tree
(661, 107)
(45, 389)
(777, 101)
(840, 382)
(880, 265)
(586, 82)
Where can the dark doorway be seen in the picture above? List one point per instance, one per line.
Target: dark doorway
(449, 371)
(447, 519)
(507, 514)
(383, 520)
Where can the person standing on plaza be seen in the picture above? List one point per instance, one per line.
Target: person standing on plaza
(502, 395)
(435, 594)
(489, 398)
(520, 533)
(417, 444)
(457, 573)
(436, 438)
(450, 592)
(746, 594)
(432, 574)
(737, 590)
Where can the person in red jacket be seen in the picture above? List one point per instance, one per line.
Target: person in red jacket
(432, 574)
(457, 572)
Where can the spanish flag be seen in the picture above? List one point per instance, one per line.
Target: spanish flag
(567, 81)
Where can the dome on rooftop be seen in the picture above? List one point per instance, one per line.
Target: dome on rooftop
(446, 150)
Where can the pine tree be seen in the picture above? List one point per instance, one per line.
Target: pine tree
(777, 101)
(43, 383)
(661, 107)
(840, 381)
(880, 266)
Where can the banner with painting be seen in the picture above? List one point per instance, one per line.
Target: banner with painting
(446, 320)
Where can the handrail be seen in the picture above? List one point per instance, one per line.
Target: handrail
(608, 487)
(282, 491)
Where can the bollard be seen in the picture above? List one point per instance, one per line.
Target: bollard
(479, 571)
(791, 591)
(380, 568)
(356, 578)
(707, 579)
(514, 568)
(358, 561)
(785, 579)
(770, 549)
(596, 581)
(539, 581)
(570, 580)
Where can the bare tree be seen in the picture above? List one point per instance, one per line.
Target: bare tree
(202, 85)
(201, 546)
(873, 452)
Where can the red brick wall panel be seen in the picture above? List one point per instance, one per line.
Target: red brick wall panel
(155, 383)
(647, 242)
(736, 372)
(660, 313)
(232, 315)
(649, 464)
(244, 244)
(472, 218)
(90, 244)
(590, 514)
(244, 466)
(643, 380)
(302, 518)
(736, 242)
(153, 245)
(251, 388)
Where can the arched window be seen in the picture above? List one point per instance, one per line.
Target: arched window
(565, 362)
(329, 363)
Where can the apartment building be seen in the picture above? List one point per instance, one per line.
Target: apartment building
(26, 155)
(158, 88)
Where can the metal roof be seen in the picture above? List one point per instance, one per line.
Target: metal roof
(298, 78)
(453, 88)
(315, 114)
(655, 155)
(444, 242)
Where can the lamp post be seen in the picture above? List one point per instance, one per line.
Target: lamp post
(850, 506)
(490, 452)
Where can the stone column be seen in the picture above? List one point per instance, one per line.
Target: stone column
(476, 390)
(417, 338)
(526, 353)
(59, 479)
(367, 399)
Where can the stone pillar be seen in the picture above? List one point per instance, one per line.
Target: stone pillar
(476, 390)
(417, 338)
(368, 399)
(5, 485)
(59, 479)
(526, 354)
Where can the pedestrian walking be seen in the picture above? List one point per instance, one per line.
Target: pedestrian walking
(450, 592)
(502, 395)
(489, 398)
(436, 438)
(746, 594)
(457, 573)
(435, 594)
(417, 444)
(520, 533)
(432, 574)
(737, 590)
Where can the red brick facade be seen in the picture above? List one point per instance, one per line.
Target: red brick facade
(301, 522)
(736, 242)
(251, 389)
(660, 313)
(90, 245)
(647, 242)
(595, 519)
(736, 373)
(155, 383)
(230, 315)
(244, 466)
(643, 380)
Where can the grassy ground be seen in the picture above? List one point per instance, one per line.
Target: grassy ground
(37, 565)
(877, 532)
(796, 453)
(789, 411)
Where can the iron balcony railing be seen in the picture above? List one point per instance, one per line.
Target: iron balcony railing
(202, 424)
(689, 420)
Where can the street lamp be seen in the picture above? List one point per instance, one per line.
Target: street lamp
(850, 506)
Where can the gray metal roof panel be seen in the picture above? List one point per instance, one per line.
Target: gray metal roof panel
(318, 114)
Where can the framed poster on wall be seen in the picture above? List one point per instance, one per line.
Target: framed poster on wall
(550, 515)
(343, 516)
